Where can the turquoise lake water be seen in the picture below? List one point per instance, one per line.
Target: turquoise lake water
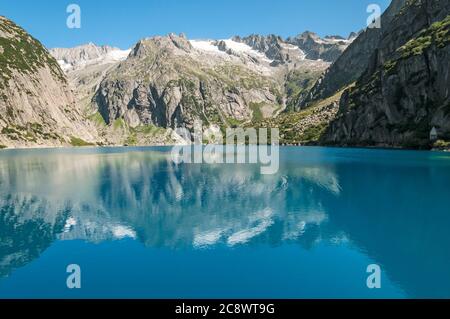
(140, 226)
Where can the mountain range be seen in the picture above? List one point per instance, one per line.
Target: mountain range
(379, 87)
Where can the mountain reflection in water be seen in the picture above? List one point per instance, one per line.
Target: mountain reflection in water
(390, 206)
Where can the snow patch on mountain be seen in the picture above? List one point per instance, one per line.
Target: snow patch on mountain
(117, 55)
(206, 45)
(228, 47)
(238, 47)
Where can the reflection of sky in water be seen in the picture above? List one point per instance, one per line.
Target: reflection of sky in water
(325, 209)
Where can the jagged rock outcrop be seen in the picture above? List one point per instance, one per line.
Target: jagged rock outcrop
(37, 106)
(405, 89)
(307, 45)
(354, 60)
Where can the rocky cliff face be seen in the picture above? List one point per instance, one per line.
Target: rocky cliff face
(37, 106)
(85, 67)
(349, 66)
(404, 91)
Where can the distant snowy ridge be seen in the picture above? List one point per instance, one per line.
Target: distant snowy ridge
(86, 55)
(263, 50)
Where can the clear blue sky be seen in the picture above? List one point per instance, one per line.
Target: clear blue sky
(122, 23)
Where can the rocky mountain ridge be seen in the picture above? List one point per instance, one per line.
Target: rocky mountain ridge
(404, 92)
